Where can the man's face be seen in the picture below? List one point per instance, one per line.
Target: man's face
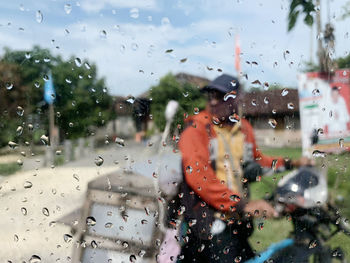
(219, 107)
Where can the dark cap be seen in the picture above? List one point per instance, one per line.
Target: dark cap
(224, 83)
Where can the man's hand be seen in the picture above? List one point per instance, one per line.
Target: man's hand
(260, 208)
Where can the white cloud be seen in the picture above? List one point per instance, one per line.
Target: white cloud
(94, 6)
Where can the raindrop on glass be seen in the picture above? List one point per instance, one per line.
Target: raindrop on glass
(34, 259)
(232, 94)
(67, 238)
(290, 106)
(19, 130)
(266, 100)
(87, 65)
(284, 92)
(20, 111)
(39, 16)
(90, 221)
(9, 86)
(24, 211)
(134, 46)
(134, 13)
(99, 160)
(272, 123)
(44, 139)
(45, 211)
(67, 8)
(12, 144)
(77, 62)
(27, 185)
(103, 34)
(341, 143)
(319, 154)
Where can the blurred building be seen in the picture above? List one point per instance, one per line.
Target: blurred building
(279, 108)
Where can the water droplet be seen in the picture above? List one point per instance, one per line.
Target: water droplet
(134, 13)
(144, 222)
(67, 238)
(119, 141)
(44, 139)
(169, 50)
(39, 16)
(254, 102)
(142, 253)
(19, 162)
(165, 21)
(67, 8)
(27, 55)
(201, 248)
(68, 81)
(234, 118)
(290, 106)
(87, 65)
(134, 46)
(71, 124)
(27, 185)
(284, 92)
(93, 244)
(20, 111)
(46, 60)
(12, 144)
(183, 60)
(189, 169)
(238, 259)
(274, 164)
(34, 259)
(122, 48)
(313, 244)
(19, 130)
(15, 238)
(24, 211)
(45, 211)
(37, 84)
(341, 143)
(196, 111)
(318, 154)
(9, 86)
(99, 160)
(260, 226)
(46, 78)
(108, 225)
(90, 221)
(103, 34)
(130, 99)
(77, 62)
(232, 94)
(266, 100)
(235, 198)
(76, 177)
(132, 258)
(273, 123)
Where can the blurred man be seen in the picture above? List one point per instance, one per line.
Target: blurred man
(219, 158)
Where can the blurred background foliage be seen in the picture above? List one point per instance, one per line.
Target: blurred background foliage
(82, 100)
(188, 96)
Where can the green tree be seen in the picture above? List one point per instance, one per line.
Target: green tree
(298, 7)
(82, 101)
(188, 96)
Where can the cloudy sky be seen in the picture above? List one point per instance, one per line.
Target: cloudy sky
(128, 39)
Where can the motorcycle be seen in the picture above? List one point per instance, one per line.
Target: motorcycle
(302, 197)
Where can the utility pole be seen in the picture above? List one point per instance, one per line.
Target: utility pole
(320, 49)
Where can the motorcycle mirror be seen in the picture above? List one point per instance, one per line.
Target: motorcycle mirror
(171, 109)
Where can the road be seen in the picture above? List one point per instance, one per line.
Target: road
(33, 200)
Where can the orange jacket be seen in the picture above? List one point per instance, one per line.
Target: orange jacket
(198, 172)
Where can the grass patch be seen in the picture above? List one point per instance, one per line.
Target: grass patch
(339, 190)
(9, 168)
